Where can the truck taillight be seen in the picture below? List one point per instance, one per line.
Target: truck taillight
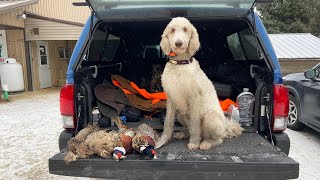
(280, 108)
(67, 106)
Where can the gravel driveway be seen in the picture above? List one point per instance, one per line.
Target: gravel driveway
(30, 127)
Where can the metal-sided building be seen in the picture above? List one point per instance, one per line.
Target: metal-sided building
(41, 35)
(296, 52)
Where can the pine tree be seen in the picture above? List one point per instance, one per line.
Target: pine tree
(292, 16)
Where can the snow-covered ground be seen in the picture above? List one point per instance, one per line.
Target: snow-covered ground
(30, 127)
(305, 149)
(29, 131)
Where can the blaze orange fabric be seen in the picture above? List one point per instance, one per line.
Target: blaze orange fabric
(130, 88)
(226, 103)
(154, 97)
(116, 83)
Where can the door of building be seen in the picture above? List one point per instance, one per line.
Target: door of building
(44, 65)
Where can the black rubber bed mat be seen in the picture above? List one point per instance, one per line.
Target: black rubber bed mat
(248, 157)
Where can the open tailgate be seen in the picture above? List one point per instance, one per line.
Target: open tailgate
(248, 157)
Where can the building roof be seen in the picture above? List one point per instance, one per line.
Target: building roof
(296, 46)
(9, 5)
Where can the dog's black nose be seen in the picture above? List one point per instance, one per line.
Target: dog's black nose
(178, 43)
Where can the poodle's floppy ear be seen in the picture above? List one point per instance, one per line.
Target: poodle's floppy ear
(194, 43)
(164, 43)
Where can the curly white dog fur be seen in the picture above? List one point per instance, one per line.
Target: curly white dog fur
(191, 95)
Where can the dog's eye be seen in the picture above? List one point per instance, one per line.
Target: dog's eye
(185, 29)
(173, 30)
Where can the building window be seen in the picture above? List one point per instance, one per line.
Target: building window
(43, 55)
(64, 53)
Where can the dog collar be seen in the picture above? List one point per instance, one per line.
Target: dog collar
(181, 62)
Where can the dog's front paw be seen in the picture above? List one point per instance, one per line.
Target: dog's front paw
(206, 145)
(192, 146)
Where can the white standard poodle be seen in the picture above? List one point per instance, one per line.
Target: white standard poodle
(191, 95)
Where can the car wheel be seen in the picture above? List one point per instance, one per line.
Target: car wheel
(294, 114)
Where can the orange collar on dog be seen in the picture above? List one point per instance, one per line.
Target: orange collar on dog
(172, 54)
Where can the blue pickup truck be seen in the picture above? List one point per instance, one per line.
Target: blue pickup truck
(122, 37)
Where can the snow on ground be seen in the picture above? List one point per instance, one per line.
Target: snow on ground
(30, 127)
(305, 149)
(29, 131)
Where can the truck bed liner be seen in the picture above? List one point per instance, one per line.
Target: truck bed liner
(249, 156)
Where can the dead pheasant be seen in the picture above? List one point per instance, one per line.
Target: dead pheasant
(125, 144)
(93, 141)
(144, 141)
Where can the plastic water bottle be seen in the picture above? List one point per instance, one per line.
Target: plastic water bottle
(245, 102)
(233, 113)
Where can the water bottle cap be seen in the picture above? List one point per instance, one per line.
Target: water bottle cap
(246, 89)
